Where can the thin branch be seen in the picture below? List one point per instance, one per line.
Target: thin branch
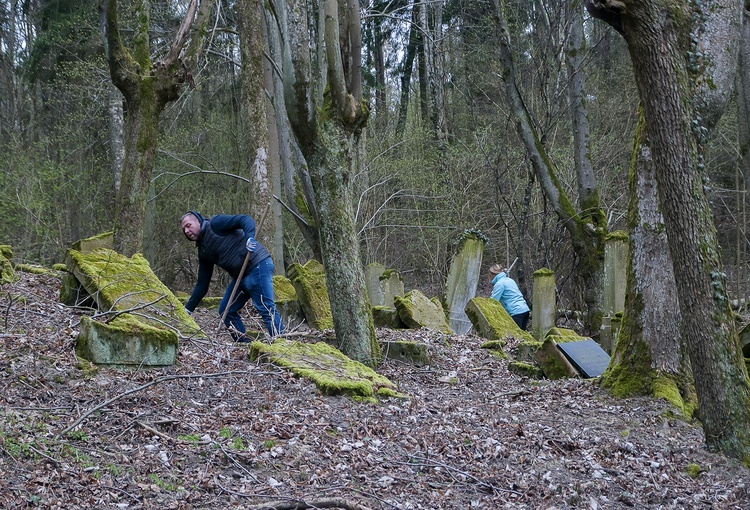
(141, 388)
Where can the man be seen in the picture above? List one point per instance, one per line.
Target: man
(225, 241)
(505, 290)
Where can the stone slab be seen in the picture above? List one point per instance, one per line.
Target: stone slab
(126, 341)
(586, 356)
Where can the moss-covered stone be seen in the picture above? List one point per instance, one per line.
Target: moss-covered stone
(35, 269)
(121, 284)
(126, 341)
(491, 321)
(309, 283)
(527, 349)
(552, 361)
(525, 370)
(7, 272)
(414, 353)
(88, 245)
(59, 267)
(331, 371)
(387, 317)
(416, 311)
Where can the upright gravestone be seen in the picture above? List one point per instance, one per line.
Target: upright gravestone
(373, 272)
(615, 272)
(463, 279)
(544, 303)
(614, 286)
(391, 285)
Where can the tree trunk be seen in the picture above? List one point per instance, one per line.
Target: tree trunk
(743, 97)
(330, 136)
(659, 34)
(147, 87)
(411, 51)
(254, 119)
(649, 357)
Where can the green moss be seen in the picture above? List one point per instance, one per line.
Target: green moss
(6, 251)
(492, 321)
(494, 344)
(86, 367)
(331, 371)
(34, 269)
(60, 267)
(693, 470)
(525, 370)
(544, 272)
(283, 289)
(310, 285)
(617, 235)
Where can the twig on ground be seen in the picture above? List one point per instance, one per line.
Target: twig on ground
(141, 388)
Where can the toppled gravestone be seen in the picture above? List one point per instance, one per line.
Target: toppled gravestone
(7, 273)
(287, 304)
(551, 360)
(129, 294)
(492, 322)
(417, 311)
(414, 353)
(309, 281)
(331, 371)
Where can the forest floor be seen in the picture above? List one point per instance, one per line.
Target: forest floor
(217, 430)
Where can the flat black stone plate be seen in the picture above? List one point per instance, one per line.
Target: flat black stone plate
(586, 356)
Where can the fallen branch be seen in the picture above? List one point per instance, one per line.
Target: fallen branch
(141, 388)
(302, 505)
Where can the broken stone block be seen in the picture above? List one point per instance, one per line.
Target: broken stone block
(491, 321)
(527, 349)
(121, 284)
(286, 301)
(331, 371)
(416, 311)
(544, 303)
(373, 272)
(385, 317)
(126, 341)
(496, 348)
(72, 292)
(309, 282)
(552, 361)
(525, 370)
(462, 282)
(104, 240)
(414, 353)
(7, 273)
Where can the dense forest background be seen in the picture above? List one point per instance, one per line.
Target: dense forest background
(442, 153)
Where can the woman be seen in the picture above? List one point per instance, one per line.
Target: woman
(505, 290)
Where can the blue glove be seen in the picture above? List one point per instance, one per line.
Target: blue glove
(251, 244)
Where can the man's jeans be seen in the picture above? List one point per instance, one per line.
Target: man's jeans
(258, 285)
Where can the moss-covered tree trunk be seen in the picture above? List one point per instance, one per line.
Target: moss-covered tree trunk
(587, 228)
(649, 357)
(147, 87)
(664, 39)
(330, 137)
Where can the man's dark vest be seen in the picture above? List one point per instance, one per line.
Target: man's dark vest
(228, 251)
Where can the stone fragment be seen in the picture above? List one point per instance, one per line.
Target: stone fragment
(417, 311)
(386, 317)
(126, 341)
(414, 353)
(491, 321)
(7, 272)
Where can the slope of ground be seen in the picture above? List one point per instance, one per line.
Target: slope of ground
(220, 431)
